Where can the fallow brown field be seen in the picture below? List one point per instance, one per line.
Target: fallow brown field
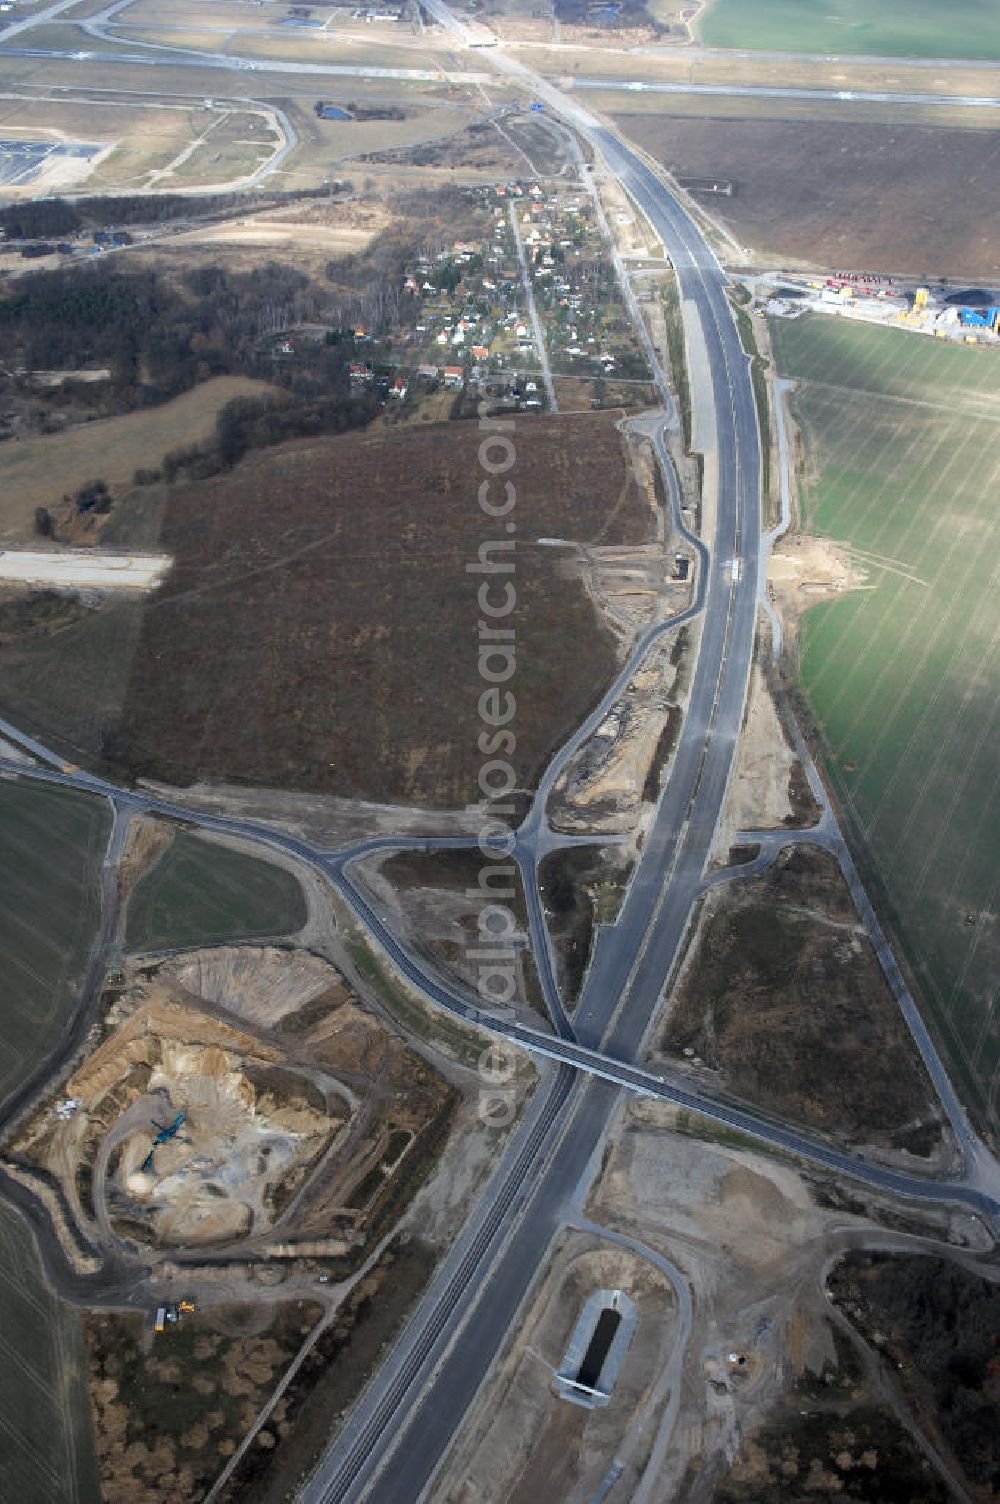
(913, 199)
(319, 630)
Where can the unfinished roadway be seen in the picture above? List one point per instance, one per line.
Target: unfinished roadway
(404, 1425)
(407, 1418)
(405, 1421)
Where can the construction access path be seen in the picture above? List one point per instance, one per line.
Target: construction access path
(403, 1425)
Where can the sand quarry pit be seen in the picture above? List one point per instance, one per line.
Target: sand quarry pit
(234, 1124)
(221, 1082)
(261, 984)
(242, 1134)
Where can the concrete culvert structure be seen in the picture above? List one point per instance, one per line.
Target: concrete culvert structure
(596, 1349)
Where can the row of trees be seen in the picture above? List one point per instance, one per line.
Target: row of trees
(248, 423)
(45, 218)
(158, 337)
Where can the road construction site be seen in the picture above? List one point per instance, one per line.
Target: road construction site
(274, 1101)
(204, 1113)
(86, 569)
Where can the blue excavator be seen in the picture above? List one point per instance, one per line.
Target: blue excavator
(164, 1133)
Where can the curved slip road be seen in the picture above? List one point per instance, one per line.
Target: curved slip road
(413, 1408)
(394, 1459)
(611, 1063)
(473, 1302)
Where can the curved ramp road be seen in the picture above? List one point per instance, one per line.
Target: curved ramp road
(393, 1443)
(612, 1063)
(418, 1417)
(405, 1422)
(677, 846)
(635, 955)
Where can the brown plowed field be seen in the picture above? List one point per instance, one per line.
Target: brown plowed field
(898, 198)
(319, 629)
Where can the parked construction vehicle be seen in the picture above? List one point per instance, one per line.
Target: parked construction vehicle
(171, 1314)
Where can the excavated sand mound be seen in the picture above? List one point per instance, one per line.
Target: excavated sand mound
(258, 983)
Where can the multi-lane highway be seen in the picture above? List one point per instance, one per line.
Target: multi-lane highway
(810, 96)
(403, 1425)
(609, 1061)
(397, 1434)
(506, 1239)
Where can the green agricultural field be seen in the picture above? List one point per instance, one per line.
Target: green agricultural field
(201, 893)
(51, 848)
(902, 437)
(918, 28)
(47, 1448)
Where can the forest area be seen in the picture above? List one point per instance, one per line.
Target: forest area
(940, 1324)
(158, 327)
